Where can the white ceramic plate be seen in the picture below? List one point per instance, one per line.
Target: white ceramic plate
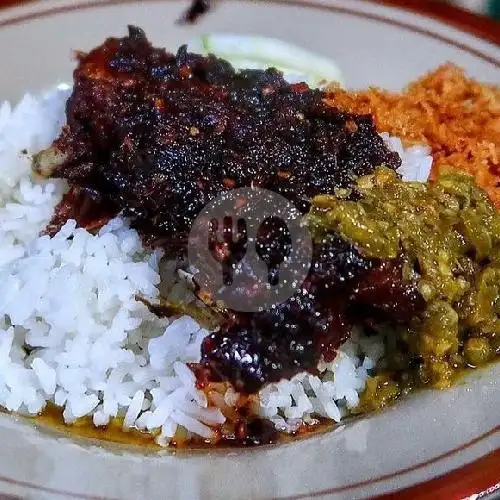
(420, 439)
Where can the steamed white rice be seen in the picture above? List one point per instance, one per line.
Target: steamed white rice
(72, 333)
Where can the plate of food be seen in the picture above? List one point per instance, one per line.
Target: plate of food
(248, 250)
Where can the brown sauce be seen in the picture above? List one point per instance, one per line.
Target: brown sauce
(51, 421)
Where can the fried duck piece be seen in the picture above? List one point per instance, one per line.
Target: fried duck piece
(160, 135)
(343, 290)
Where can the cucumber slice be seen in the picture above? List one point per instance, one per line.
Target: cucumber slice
(258, 52)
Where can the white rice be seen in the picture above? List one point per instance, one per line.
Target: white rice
(416, 160)
(72, 333)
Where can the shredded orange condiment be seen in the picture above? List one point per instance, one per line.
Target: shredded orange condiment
(456, 116)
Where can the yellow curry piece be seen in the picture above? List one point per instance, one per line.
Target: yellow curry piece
(448, 235)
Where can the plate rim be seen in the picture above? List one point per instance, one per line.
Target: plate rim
(464, 20)
(482, 27)
(471, 22)
(465, 480)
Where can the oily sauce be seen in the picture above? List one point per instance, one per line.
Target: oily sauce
(51, 420)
